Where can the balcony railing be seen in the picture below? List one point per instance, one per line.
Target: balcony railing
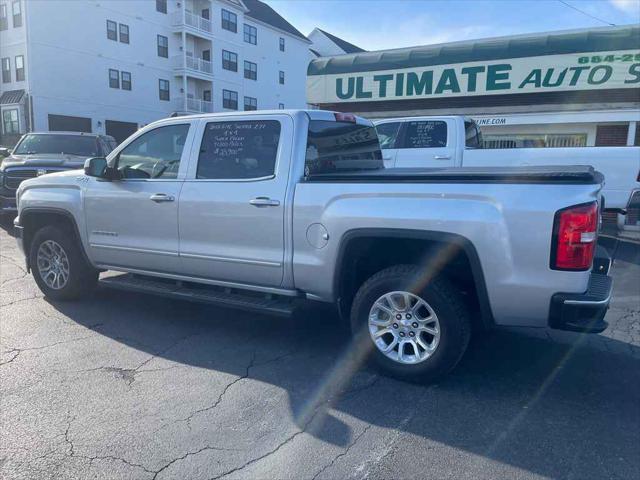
(184, 17)
(199, 64)
(192, 63)
(199, 106)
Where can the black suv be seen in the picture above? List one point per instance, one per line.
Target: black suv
(41, 153)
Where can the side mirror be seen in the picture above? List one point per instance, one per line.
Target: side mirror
(96, 167)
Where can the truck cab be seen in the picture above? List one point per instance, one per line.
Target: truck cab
(427, 142)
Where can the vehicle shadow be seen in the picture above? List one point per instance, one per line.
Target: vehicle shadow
(6, 224)
(515, 398)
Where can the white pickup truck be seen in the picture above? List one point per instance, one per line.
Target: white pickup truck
(261, 210)
(455, 141)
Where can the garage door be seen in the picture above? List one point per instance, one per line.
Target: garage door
(120, 130)
(64, 123)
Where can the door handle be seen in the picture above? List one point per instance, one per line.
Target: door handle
(442, 157)
(161, 197)
(264, 202)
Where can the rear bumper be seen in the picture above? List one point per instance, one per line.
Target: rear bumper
(583, 312)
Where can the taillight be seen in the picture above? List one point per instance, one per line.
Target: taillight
(574, 237)
(345, 117)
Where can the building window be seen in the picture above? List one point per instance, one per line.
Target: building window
(163, 46)
(281, 106)
(612, 135)
(20, 68)
(17, 14)
(114, 78)
(4, 18)
(124, 33)
(250, 34)
(281, 44)
(206, 95)
(534, 140)
(250, 70)
(164, 90)
(250, 103)
(126, 80)
(6, 70)
(230, 99)
(10, 122)
(161, 6)
(229, 61)
(229, 21)
(112, 30)
(281, 78)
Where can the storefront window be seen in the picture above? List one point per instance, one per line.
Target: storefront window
(541, 140)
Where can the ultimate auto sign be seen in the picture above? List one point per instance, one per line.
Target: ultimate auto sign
(586, 71)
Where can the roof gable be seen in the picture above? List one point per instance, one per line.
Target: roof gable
(343, 44)
(264, 13)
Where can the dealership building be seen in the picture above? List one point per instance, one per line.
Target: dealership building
(571, 88)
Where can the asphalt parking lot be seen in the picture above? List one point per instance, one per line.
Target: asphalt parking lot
(130, 386)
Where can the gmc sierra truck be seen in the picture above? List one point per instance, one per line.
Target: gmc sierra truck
(260, 210)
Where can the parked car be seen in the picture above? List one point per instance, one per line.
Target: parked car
(4, 152)
(260, 210)
(456, 141)
(37, 154)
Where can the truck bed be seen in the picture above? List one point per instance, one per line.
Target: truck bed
(572, 175)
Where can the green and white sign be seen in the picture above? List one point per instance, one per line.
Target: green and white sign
(581, 71)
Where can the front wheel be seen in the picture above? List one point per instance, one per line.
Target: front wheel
(58, 265)
(415, 331)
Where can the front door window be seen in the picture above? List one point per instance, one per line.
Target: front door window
(155, 154)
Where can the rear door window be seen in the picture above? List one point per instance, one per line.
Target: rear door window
(425, 134)
(239, 149)
(388, 134)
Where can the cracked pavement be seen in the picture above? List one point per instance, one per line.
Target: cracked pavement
(124, 385)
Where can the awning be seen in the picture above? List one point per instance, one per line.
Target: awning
(592, 40)
(11, 97)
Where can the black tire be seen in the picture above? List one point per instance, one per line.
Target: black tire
(442, 297)
(82, 277)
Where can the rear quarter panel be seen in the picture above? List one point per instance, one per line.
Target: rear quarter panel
(510, 226)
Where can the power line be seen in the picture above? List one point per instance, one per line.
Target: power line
(585, 13)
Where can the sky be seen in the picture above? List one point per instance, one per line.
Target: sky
(384, 24)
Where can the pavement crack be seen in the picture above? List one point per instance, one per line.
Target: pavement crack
(342, 454)
(15, 351)
(286, 441)
(14, 279)
(55, 344)
(222, 394)
(91, 459)
(20, 300)
(67, 439)
(14, 263)
(188, 454)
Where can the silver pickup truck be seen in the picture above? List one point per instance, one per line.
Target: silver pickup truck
(260, 210)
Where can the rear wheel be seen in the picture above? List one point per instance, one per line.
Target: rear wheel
(416, 332)
(58, 265)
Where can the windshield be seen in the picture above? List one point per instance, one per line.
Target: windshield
(68, 144)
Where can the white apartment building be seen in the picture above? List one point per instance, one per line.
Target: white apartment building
(111, 66)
